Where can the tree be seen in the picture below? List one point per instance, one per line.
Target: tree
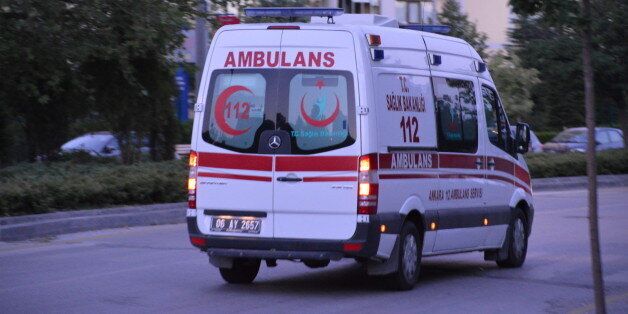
(131, 72)
(551, 44)
(461, 27)
(65, 60)
(565, 13)
(514, 83)
(39, 89)
(610, 30)
(555, 53)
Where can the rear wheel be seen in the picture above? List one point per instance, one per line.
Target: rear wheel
(410, 251)
(243, 271)
(518, 242)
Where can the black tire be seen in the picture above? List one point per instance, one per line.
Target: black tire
(243, 271)
(517, 242)
(406, 276)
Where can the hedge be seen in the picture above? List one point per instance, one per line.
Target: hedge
(575, 164)
(40, 188)
(47, 187)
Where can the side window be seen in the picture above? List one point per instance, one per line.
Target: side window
(496, 121)
(615, 137)
(457, 115)
(602, 137)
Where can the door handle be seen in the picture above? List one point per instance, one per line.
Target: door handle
(289, 179)
(491, 163)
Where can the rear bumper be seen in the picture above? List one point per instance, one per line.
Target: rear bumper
(363, 243)
(273, 254)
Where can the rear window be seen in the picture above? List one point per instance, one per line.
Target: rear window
(314, 108)
(237, 108)
(317, 111)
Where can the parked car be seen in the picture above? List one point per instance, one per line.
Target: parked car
(535, 144)
(98, 144)
(575, 140)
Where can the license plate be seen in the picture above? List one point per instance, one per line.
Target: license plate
(235, 224)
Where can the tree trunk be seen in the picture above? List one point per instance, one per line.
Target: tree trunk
(589, 103)
(623, 117)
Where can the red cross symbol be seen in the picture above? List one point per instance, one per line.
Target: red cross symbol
(320, 84)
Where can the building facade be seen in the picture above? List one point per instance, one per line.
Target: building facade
(491, 17)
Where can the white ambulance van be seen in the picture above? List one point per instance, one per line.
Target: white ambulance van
(350, 137)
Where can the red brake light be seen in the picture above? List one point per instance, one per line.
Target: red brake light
(198, 242)
(283, 27)
(193, 162)
(368, 187)
(374, 40)
(352, 247)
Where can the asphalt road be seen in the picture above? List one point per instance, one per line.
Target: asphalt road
(154, 269)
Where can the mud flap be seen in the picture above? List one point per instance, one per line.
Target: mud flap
(221, 261)
(389, 266)
(500, 254)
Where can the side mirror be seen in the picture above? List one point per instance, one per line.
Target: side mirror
(522, 138)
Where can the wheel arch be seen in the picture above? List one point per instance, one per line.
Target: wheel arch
(528, 212)
(413, 210)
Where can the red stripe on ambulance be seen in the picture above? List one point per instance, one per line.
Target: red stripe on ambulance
(235, 161)
(234, 176)
(318, 163)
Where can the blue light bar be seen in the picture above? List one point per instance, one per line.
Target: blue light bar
(292, 12)
(438, 29)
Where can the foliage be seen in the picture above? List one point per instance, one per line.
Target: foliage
(514, 83)
(461, 27)
(546, 37)
(39, 188)
(85, 182)
(67, 61)
(545, 136)
(574, 164)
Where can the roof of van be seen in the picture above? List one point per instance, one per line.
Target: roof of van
(335, 26)
(347, 22)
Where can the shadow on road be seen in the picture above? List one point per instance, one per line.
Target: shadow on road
(352, 278)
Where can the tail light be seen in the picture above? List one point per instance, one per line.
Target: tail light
(368, 185)
(198, 242)
(192, 180)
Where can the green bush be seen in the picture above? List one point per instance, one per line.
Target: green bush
(40, 188)
(574, 164)
(65, 185)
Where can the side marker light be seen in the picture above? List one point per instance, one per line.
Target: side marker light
(433, 225)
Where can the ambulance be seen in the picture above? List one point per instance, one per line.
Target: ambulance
(352, 137)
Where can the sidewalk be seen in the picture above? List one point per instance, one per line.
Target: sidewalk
(44, 225)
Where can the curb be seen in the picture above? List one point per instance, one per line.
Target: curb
(44, 225)
(566, 183)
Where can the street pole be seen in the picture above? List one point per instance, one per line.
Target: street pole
(589, 104)
(200, 34)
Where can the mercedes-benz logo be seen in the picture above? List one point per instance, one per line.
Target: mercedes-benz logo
(274, 142)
